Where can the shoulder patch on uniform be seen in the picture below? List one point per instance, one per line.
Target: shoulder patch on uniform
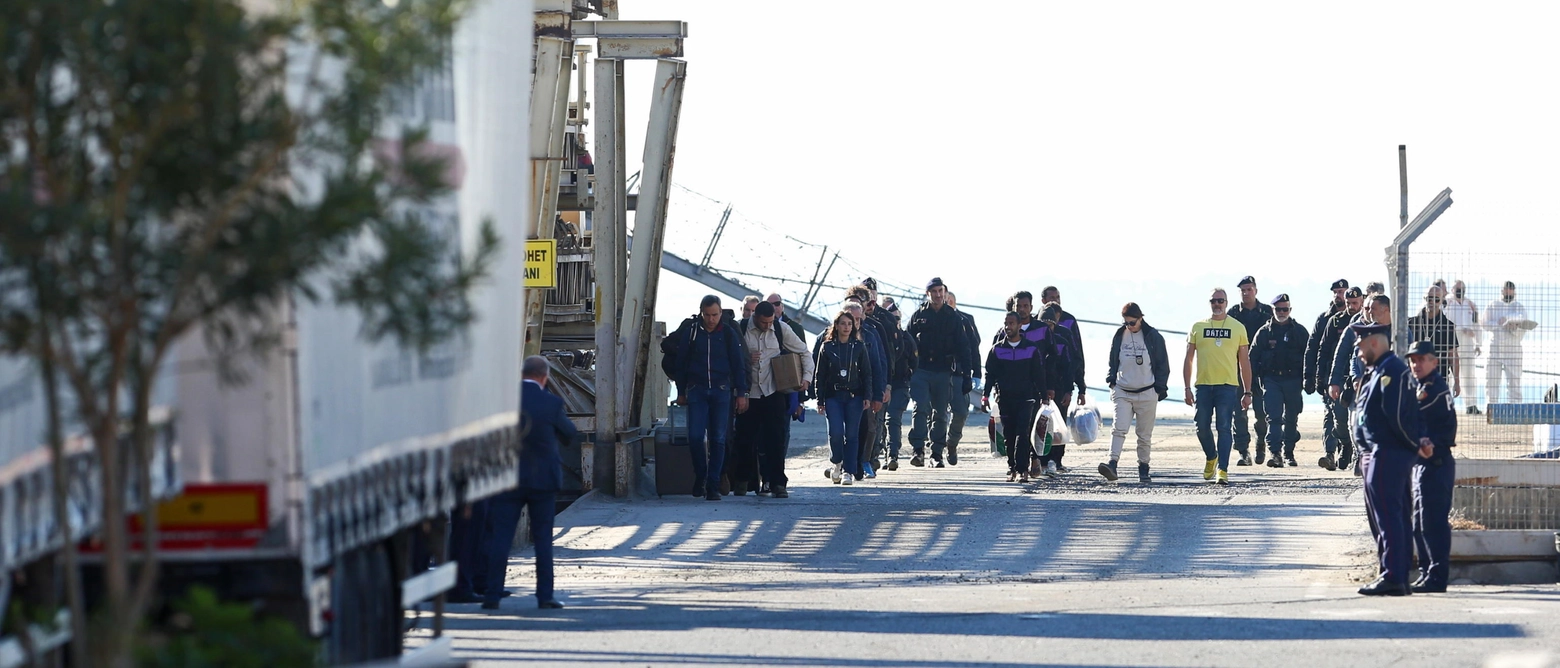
(1386, 381)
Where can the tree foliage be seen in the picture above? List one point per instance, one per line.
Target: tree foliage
(168, 164)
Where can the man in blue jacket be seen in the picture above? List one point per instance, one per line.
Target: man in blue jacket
(1390, 433)
(712, 368)
(543, 427)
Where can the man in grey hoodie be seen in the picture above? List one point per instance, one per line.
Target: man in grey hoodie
(1139, 379)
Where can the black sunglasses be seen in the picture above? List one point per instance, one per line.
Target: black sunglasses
(1216, 301)
(1130, 323)
(1433, 300)
(1280, 309)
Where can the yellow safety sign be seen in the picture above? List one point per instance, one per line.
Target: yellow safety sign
(541, 263)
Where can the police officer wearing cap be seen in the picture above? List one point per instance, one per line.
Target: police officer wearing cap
(1253, 314)
(1435, 471)
(1278, 358)
(1389, 432)
(1313, 355)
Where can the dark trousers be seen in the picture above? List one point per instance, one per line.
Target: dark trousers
(770, 419)
(1243, 429)
(1342, 430)
(871, 424)
(709, 416)
(503, 518)
(898, 402)
(1018, 420)
(1329, 424)
(929, 389)
(466, 535)
(1433, 480)
(1284, 399)
(1063, 403)
(742, 467)
(958, 409)
(1388, 471)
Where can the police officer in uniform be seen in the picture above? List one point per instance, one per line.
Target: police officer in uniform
(1435, 471)
(1389, 433)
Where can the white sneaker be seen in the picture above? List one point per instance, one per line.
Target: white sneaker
(846, 479)
(1050, 468)
(834, 473)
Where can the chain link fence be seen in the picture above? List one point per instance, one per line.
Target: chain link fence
(1504, 308)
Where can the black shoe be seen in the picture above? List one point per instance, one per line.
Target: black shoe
(739, 488)
(764, 488)
(503, 593)
(1384, 588)
(937, 463)
(490, 605)
(778, 491)
(953, 455)
(549, 604)
(1274, 463)
(1290, 461)
(1143, 476)
(917, 461)
(712, 496)
(462, 598)
(1108, 469)
(1474, 410)
(698, 489)
(1262, 454)
(1245, 460)
(893, 465)
(1425, 586)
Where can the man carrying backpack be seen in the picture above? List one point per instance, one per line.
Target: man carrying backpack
(711, 367)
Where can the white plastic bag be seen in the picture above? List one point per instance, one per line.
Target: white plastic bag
(1085, 424)
(1055, 423)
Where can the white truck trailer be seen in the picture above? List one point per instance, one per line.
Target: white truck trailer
(318, 484)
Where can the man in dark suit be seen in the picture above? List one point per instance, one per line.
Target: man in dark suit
(543, 425)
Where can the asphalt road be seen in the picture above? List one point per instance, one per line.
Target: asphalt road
(956, 567)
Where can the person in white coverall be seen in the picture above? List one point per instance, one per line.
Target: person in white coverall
(1465, 317)
(1507, 322)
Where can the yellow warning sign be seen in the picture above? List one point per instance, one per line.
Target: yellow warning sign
(541, 263)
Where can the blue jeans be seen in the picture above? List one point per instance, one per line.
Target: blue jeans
(1219, 401)
(896, 418)
(503, 518)
(929, 389)
(709, 416)
(844, 413)
(1284, 400)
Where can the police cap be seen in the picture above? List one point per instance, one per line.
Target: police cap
(1354, 293)
(1368, 329)
(1281, 298)
(1422, 348)
(1246, 281)
(1340, 284)
(936, 281)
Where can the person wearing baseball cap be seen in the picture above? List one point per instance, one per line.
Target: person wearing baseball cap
(1278, 359)
(1391, 435)
(1435, 472)
(1338, 439)
(1253, 314)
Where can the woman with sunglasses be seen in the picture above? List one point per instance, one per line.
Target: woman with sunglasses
(1139, 379)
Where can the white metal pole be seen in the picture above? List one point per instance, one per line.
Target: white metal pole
(608, 239)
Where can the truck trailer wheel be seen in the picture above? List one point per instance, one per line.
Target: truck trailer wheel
(364, 605)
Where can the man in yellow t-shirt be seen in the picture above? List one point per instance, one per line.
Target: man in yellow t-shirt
(1222, 351)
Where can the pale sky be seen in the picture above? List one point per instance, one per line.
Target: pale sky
(1146, 144)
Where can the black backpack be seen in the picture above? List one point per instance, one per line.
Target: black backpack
(675, 346)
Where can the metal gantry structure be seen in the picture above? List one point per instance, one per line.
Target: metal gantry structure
(608, 310)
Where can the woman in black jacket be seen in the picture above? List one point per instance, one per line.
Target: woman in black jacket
(1139, 379)
(843, 374)
(1015, 368)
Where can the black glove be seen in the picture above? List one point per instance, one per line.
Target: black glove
(1310, 387)
(967, 385)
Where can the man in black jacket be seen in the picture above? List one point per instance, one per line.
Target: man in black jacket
(1016, 369)
(1253, 314)
(1340, 443)
(1278, 358)
(1313, 355)
(942, 350)
(1139, 379)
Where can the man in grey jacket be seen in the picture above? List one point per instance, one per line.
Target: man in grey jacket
(1139, 379)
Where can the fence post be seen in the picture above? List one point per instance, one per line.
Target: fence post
(1397, 264)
